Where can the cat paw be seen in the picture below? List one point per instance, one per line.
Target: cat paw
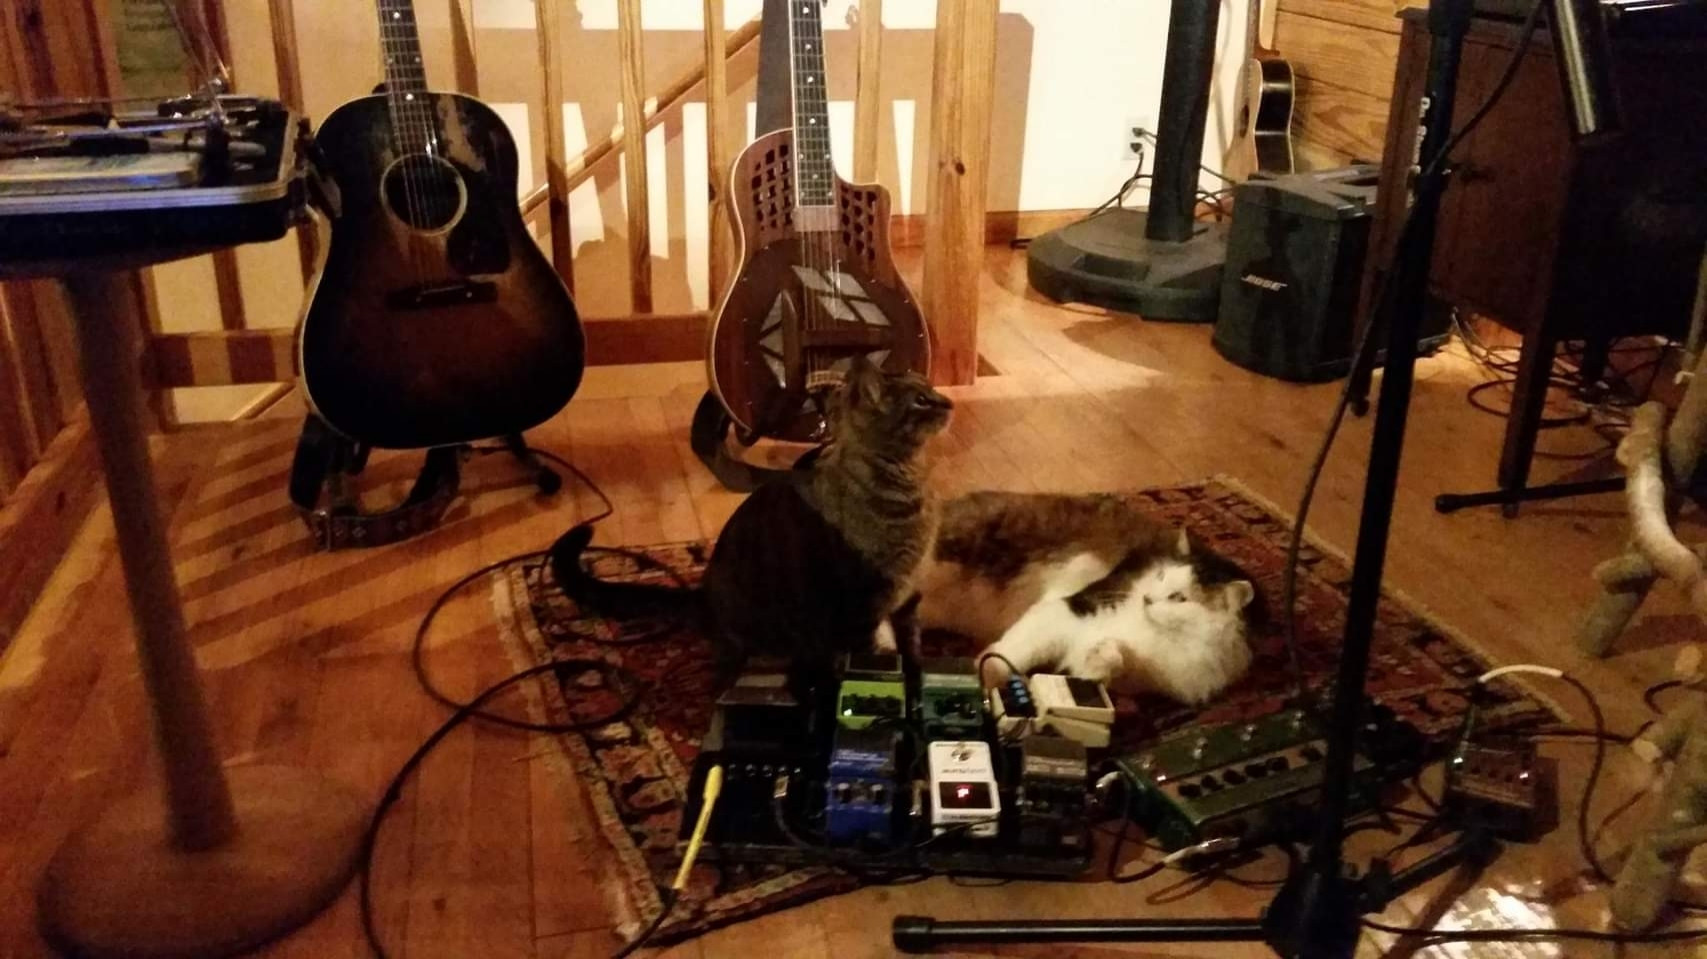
(1101, 662)
(883, 640)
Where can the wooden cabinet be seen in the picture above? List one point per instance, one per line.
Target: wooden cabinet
(1555, 241)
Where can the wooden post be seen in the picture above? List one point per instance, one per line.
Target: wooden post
(631, 54)
(868, 94)
(283, 15)
(580, 169)
(716, 150)
(962, 86)
(233, 313)
(557, 190)
(467, 60)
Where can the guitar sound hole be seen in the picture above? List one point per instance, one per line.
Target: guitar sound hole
(424, 192)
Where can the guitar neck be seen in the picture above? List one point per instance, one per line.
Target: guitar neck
(413, 124)
(814, 171)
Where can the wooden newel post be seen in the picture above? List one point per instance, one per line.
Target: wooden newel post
(229, 859)
(962, 86)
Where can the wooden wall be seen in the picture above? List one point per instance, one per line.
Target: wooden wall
(1343, 52)
(47, 460)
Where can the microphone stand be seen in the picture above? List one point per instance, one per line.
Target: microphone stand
(1317, 911)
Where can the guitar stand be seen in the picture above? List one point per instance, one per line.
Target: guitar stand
(709, 436)
(547, 479)
(1508, 499)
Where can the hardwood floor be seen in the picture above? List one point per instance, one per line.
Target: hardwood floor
(304, 654)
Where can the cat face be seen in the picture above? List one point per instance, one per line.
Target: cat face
(1174, 598)
(896, 408)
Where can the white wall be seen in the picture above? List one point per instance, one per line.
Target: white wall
(1069, 75)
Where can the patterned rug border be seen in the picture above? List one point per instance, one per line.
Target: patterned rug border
(520, 641)
(627, 901)
(1399, 594)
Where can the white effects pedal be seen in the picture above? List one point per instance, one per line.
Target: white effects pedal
(963, 789)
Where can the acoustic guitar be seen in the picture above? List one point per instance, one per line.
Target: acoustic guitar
(434, 319)
(817, 283)
(1263, 142)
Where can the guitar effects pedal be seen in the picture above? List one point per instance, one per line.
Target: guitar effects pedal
(873, 688)
(963, 789)
(951, 700)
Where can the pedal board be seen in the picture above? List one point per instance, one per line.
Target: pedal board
(1256, 780)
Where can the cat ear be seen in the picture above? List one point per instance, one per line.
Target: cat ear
(1182, 546)
(864, 380)
(1240, 592)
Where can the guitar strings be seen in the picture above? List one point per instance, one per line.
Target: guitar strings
(392, 44)
(810, 143)
(804, 245)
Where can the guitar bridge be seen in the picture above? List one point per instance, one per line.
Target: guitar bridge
(823, 380)
(429, 296)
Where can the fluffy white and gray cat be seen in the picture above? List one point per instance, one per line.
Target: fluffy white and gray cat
(1090, 586)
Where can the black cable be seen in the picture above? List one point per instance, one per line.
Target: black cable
(1650, 696)
(1545, 423)
(615, 675)
(629, 686)
(608, 509)
(1583, 836)
(1530, 25)
(417, 651)
(1381, 300)
(666, 902)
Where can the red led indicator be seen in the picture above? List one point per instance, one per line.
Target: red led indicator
(963, 792)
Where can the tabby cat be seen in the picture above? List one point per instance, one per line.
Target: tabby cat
(814, 565)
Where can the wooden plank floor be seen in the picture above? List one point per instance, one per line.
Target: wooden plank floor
(304, 654)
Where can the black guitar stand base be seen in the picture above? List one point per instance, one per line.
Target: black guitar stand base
(547, 479)
(709, 436)
(324, 473)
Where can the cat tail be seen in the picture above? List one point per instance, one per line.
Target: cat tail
(616, 600)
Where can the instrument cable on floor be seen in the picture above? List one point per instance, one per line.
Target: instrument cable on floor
(629, 687)
(1383, 302)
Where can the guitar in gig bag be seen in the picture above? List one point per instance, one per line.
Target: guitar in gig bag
(434, 319)
(816, 284)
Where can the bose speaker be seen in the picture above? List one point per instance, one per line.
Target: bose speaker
(1295, 259)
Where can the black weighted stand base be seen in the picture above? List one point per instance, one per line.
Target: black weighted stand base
(1508, 499)
(918, 934)
(1108, 261)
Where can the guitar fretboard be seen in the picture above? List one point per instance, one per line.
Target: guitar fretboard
(413, 124)
(814, 171)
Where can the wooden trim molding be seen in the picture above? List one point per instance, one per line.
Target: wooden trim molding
(250, 357)
(39, 518)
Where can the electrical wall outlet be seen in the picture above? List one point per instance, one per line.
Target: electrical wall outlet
(1131, 137)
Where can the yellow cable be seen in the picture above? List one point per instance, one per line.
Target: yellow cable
(708, 802)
